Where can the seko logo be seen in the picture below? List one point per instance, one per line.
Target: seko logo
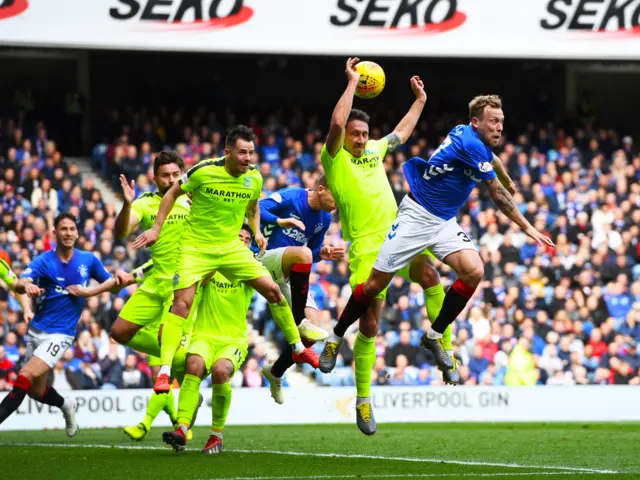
(400, 16)
(611, 17)
(184, 14)
(11, 8)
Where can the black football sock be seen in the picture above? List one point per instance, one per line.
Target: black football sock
(356, 306)
(52, 397)
(283, 362)
(454, 302)
(299, 281)
(15, 397)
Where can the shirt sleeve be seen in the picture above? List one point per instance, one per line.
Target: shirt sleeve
(6, 274)
(138, 207)
(271, 207)
(98, 271)
(476, 157)
(382, 146)
(35, 269)
(193, 178)
(316, 241)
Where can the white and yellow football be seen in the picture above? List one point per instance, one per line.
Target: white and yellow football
(372, 80)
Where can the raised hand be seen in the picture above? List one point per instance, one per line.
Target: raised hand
(128, 191)
(352, 72)
(418, 88)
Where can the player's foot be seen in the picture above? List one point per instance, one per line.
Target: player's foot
(307, 356)
(69, 414)
(309, 331)
(163, 384)
(177, 439)
(214, 445)
(136, 432)
(275, 384)
(435, 346)
(364, 418)
(329, 356)
(451, 376)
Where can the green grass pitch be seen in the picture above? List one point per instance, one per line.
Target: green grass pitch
(504, 451)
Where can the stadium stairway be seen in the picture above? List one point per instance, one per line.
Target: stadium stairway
(86, 169)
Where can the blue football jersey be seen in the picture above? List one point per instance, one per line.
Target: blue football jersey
(57, 311)
(292, 203)
(443, 184)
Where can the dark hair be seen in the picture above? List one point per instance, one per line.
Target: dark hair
(64, 216)
(245, 226)
(167, 157)
(239, 131)
(357, 114)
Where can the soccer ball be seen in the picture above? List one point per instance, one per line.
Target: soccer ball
(372, 80)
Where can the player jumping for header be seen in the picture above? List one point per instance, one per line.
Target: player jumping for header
(427, 217)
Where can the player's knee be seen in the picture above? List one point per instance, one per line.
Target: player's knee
(303, 255)
(181, 306)
(221, 372)
(195, 366)
(27, 373)
(119, 333)
(474, 273)
(427, 276)
(375, 284)
(273, 294)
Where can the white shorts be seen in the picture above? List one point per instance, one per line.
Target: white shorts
(272, 260)
(414, 230)
(48, 347)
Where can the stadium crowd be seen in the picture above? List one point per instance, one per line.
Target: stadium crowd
(541, 316)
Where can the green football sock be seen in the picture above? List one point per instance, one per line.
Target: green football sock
(220, 404)
(145, 341)
(433, 299)
(155, 406)
(171, 337)
(283, 317)
(178, 368)
(364, 353)
(188, 399)
(170, 407)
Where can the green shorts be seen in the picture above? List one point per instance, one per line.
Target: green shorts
(148, 303)
(234, 261)
(212, 349)
(362, 258)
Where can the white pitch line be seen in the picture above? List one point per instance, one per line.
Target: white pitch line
(325, 455)
(408, 475)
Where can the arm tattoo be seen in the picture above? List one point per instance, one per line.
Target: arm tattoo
(251, 212)
(393, 141)
(502, 198)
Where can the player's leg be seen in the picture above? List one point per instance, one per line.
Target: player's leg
(189, 398)
(422, 271)
(240, 264)
(290, 268)
(274, 373)
(43, 352)
(156, 404)
(457, 252)
(227, 360)
(143, 309)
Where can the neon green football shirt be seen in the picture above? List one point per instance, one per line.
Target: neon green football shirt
(361, 189)
(164, 251)
(222, 314)
(6, 274)
(219, 202)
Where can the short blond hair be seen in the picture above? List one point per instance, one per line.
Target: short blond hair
(476, 106)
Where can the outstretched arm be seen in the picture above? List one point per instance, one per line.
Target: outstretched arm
(151, 236)
(403, 130)
(341, 112)
(504, 201)
(502, 174)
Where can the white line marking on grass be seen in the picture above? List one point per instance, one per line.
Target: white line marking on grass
(408, 475)
(325, 455)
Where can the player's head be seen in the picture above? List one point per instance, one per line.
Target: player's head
(239, 149)
(66, 230)
(167, 169)
(356, 132)
(325, 197)
(246, 235)
(486, 117)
